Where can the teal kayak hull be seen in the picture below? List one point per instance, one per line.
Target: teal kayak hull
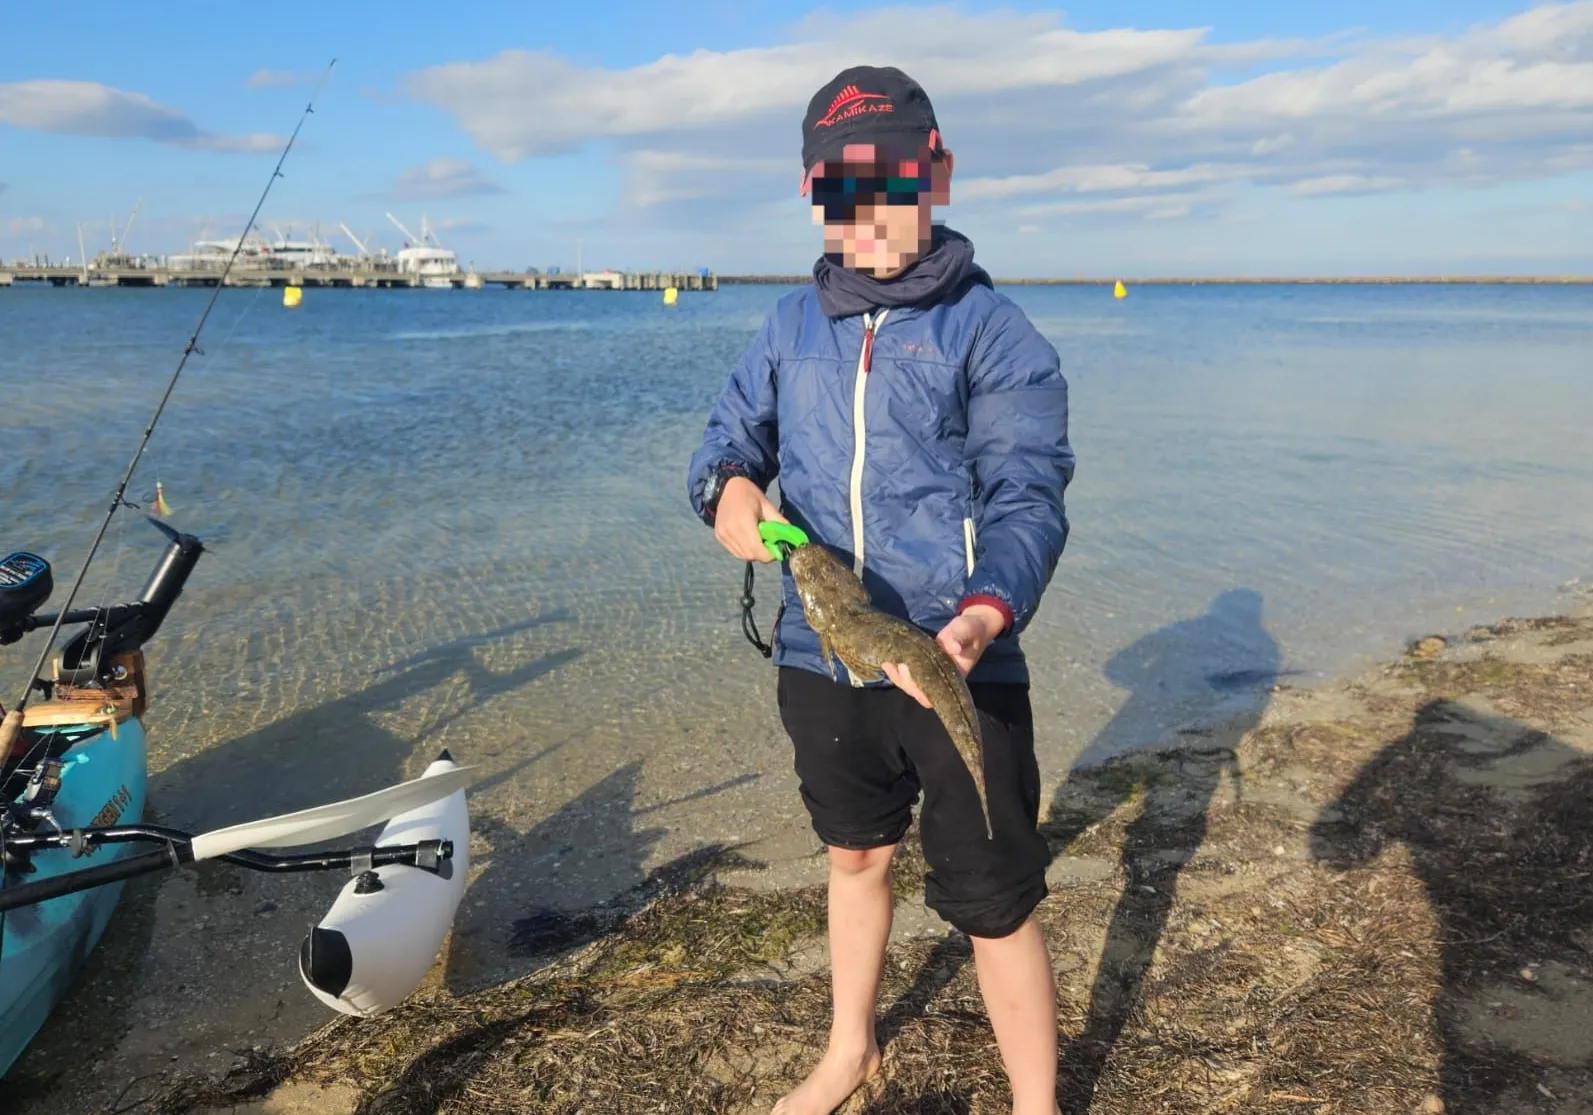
(44, 946)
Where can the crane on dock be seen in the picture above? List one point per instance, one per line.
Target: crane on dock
(358, 243)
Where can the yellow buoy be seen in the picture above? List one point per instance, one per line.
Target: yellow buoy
(1120, 291)
(292, 296)
(670, 294)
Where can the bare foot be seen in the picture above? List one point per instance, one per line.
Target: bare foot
(837, 1076)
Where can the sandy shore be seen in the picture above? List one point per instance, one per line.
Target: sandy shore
(1374, 896)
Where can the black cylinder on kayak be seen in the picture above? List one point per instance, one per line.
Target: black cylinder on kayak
(167, 581)
(120, 629)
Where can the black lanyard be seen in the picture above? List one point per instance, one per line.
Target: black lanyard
(749, 625)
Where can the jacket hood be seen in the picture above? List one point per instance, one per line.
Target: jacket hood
(946, 267)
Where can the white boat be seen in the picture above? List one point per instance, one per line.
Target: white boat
(212, 255)
(298, 254)
(433, 265)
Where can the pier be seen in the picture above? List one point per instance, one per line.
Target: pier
(354, 277)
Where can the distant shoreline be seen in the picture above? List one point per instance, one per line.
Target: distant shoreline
(1357, 280)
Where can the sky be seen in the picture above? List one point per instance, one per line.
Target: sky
(1127, 139)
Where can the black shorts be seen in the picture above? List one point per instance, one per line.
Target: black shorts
(863, 755)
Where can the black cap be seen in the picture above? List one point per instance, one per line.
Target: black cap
(867, 104)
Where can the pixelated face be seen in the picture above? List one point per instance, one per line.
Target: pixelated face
(875, 205)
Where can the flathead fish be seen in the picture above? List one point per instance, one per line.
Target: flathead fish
(864, 638)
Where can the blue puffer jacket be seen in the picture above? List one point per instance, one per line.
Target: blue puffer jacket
(929, 442)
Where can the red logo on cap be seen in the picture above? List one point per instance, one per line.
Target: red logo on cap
(852, 101)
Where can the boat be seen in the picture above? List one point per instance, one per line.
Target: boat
(299, 255)
(214, 255)
(433, 265)
(73, 788)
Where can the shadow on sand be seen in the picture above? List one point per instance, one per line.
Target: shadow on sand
(1497, 820)
(1205, 681)
(595, 835)
(336, 749)
(1209, 680)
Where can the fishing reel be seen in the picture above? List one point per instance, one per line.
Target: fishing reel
(31, 809)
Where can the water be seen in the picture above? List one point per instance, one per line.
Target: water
(458, 519)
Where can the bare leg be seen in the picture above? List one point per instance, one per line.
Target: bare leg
(860, 903)
(1020, 995)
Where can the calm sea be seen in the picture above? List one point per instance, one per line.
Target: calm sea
(458, 519)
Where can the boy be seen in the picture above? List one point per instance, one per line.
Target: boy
(918, 426)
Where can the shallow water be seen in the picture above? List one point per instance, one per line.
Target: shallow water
(458, 519)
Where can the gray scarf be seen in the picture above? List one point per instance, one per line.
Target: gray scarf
(941, 271)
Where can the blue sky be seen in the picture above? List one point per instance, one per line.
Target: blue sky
(1097, 138)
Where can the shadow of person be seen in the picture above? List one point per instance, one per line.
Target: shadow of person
(567, 880)
(587, 849)
(938, 971)
(1496, 819)
(336, 749)
(1193, 673)
(1204, 682)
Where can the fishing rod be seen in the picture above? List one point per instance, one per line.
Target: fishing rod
(11, 726)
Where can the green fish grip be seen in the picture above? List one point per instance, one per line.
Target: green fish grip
(775, 535)
(780, 539)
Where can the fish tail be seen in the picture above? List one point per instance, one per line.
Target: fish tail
(961, 720)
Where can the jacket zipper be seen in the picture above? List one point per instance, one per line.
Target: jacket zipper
(865, 362)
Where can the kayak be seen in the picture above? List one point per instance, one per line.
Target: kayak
(43, 946)
(73, 787)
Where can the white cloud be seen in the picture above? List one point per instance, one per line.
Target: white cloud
(87, 108)
(524, 103)
(21, 226)
(443, 178)
(1149, 206)
(252, 144)
(1093, 179)
(656, 177)
(1161, 123)
(1342, 184)
(278, 79)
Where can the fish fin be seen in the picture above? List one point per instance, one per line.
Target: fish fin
(863, 671)
(827, 649)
